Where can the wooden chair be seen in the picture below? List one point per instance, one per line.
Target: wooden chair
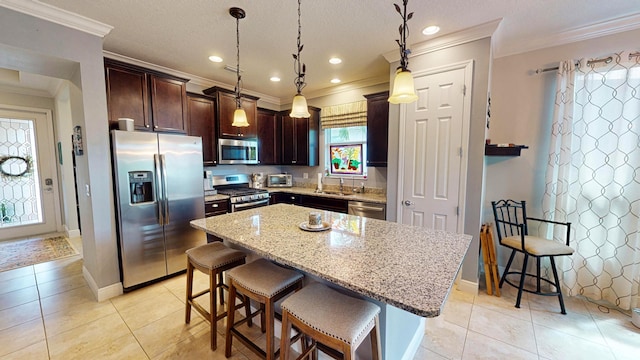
(332, 319)
(212, 259)
(513, 232)
(266, 283)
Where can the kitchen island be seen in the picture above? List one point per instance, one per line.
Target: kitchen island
(408, 271)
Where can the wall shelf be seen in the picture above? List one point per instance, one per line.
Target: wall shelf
(495, 150)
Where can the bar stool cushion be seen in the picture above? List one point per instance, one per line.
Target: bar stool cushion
(263, 277)
(213, 255)
(332, 313)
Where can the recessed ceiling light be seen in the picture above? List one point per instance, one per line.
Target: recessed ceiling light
(274, 79)
(430, 30)
(215, 59)
(335, 81)
(335, 60)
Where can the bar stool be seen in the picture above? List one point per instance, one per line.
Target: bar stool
(265, 283)
(332, 319)
(212, 259)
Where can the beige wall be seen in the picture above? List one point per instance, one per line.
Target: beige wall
(38, 46)
(521, 111)
(479, 51)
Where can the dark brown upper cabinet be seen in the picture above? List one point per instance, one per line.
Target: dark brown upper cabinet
(377, 128)
(154, 100)
(226, 106)
(201, 122)
(300, 138)
(269, 137)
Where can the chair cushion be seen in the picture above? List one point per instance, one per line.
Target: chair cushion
(263, 277)
(332, 313)
(538, 246)
(213, 255)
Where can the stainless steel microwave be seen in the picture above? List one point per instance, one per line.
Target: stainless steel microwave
(280, 180)
(237, 151)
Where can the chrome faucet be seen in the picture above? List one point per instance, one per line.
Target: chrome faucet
(341, 185)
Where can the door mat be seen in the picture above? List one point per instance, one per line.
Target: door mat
(19, 253)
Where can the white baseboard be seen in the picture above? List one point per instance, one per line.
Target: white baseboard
(105, 293)
(71, 233)
(467, 286)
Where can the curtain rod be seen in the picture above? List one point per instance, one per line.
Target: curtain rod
(589, 63)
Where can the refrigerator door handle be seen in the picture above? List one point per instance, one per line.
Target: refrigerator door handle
(159, 189)
(163, 165)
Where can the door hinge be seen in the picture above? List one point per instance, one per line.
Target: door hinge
(457, 210)
(460, 151)
(464, 89)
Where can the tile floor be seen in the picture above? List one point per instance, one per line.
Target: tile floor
(48, 312)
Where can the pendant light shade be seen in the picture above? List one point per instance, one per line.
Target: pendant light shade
(299, 108)
(403, 89)
(240, 118)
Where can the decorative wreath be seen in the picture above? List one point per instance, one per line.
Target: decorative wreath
(15, 166)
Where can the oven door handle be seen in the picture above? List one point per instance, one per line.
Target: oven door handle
(251, 204)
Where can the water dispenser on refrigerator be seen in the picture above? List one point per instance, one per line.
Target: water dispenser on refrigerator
(140, 186)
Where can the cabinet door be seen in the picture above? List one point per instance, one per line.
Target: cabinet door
(226, 108)
(300, 138)
(269, 132)
(323, 203)
(127, 97)
(169, 104)
(201, 122)
(295, 133)
(377, 128)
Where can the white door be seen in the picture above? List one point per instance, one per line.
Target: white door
(431, 152)
(29, 195)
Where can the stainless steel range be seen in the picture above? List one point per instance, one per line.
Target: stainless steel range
(241, 196)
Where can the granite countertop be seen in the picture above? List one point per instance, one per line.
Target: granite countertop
(368, 197)
(408, 267)
(215, 197)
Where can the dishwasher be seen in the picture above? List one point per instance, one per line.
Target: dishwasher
(367, 209)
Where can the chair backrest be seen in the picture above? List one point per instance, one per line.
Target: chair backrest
(510, 217)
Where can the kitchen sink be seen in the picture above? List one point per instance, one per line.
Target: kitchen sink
(338, 193)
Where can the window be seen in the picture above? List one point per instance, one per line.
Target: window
(346, 149)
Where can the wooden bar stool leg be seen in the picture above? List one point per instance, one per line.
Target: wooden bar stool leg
(230, 320)
(213, 314)
(187, 312)
(376, 349)
(285, 341)
(269, 314)
(221, 288)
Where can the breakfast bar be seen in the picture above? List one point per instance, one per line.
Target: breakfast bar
(408, 271)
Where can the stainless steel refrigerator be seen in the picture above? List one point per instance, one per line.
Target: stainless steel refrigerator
(159, 190)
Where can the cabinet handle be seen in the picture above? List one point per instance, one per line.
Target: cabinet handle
(146, 126)
(293, 161)
(215, 205)
(155, 126)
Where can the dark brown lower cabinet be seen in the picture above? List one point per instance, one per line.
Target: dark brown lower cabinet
(214, 208)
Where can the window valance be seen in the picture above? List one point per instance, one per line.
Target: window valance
(344, 115)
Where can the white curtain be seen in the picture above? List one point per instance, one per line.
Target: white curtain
(593, 177)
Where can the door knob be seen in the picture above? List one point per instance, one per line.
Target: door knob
(408, 202)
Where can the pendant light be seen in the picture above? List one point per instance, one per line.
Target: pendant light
(404, 91)
(239, 116)
(299, 108)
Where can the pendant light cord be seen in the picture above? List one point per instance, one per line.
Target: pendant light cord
(300, 70)
(238, 99)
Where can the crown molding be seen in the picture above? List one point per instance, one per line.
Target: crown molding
(194, 79)
(59, 16)
(609, 27)
(446, 41)
(354, 85)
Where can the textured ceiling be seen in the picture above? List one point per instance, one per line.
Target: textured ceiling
(181, 35)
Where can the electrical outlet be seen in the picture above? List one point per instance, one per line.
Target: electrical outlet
(305, 175)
